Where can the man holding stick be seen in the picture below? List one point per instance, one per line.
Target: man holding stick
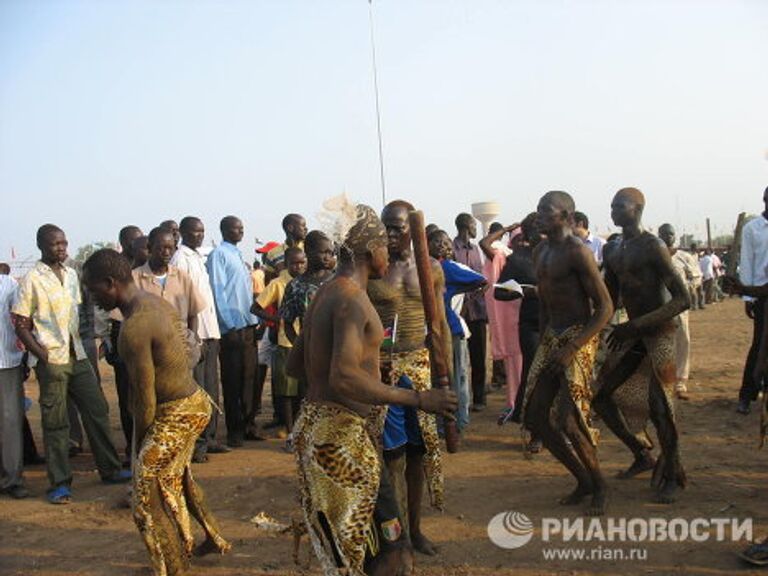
(411, 444)
(336, 436)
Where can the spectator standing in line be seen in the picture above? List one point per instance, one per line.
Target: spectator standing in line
(683, 264)
(285, 389)
(190, 262)
(459, 280)
(48, 325)
(503, 317)
(231, 287)
(594, 243)
(707, 267)
(11, 393)
(753, 271)
(468, 253)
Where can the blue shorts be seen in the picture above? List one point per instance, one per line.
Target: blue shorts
(402, 425)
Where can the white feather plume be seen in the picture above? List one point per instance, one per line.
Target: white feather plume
(337, 217)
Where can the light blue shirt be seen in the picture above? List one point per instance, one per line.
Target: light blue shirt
(231, 287)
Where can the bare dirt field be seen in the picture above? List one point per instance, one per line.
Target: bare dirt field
(727, 474)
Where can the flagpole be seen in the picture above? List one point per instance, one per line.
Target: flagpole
(378, 109)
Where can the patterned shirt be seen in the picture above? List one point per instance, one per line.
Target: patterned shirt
(10, 354)
(53, 308)
(298, 295)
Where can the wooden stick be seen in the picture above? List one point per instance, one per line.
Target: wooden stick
(432, 317)
(735, 252)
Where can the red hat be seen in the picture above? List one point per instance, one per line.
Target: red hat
(267, 247)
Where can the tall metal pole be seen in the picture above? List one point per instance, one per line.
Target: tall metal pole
(378, 109)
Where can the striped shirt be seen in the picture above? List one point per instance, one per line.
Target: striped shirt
(10, 355)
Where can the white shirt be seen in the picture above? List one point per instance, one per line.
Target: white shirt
(193, 263)
(753, 264)
(457, 303)
(499, 246)
(707, 267)
(595, 244)
(10, 355)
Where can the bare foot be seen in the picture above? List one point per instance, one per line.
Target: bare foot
(579, 493)
(666, 495)
(422, 544)
(599, 501)
(641, 464)
(211, 546)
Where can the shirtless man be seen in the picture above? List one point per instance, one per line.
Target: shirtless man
(170, 411)
(574, 307)
(639, 271)
(337, 434)
(411, 443)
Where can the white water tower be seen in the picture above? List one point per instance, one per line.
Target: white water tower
(486, 212)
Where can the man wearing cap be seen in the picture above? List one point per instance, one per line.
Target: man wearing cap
(295, 228)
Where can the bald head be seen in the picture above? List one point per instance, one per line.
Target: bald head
(632, 194)
(627, 207)
(231, 229)
(560, 200)
(667, 234)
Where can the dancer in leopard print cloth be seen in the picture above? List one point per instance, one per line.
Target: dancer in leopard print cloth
(170, 412)
(338, 431)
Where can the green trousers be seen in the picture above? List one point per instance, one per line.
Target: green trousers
(76, 379)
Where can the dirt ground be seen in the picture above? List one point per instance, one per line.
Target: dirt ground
(94, 536)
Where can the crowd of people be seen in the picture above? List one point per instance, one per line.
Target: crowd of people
(578, 326)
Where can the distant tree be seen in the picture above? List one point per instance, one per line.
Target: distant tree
(84, 252)
(722, 241)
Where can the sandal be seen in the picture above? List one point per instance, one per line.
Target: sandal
(60, 495)
(756, 554)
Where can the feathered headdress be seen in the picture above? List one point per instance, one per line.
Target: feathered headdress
(337, 218)
(354, 229)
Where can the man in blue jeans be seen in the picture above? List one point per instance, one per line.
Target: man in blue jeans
(459, 280)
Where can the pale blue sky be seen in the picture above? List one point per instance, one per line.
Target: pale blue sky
(133, 112)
